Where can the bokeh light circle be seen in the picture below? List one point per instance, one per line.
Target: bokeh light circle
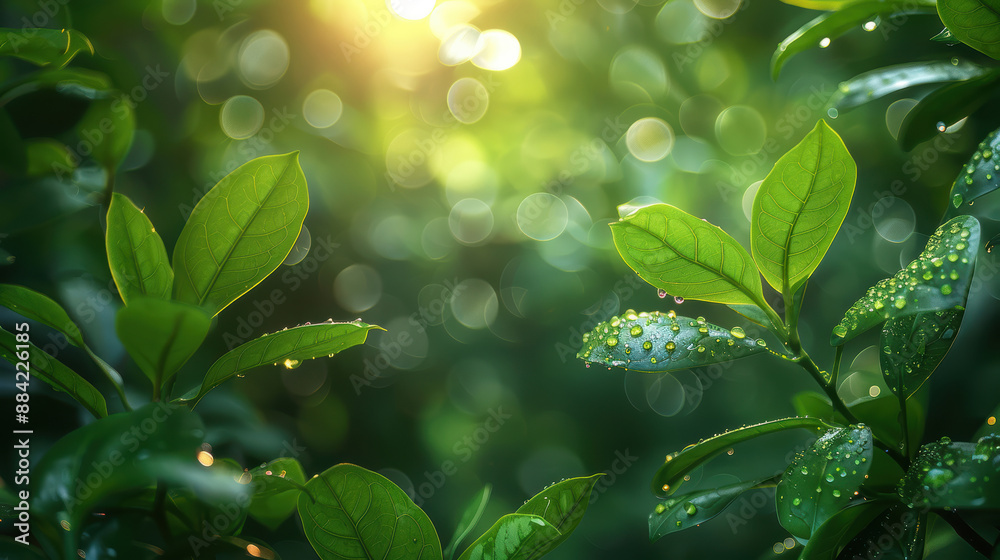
(741, 130)
(665, 395)
(474, 303)
(649, 139)
(542, 216)
(463, 43)
(178, 12)
(357, 288)
(748, 197)
(470, 221)
(241, 117)
(894, 219)
(718, 9)
(263, 59)
(499, 50)
(301, 248)
(468, 100)
(322, 108)
(411, 9)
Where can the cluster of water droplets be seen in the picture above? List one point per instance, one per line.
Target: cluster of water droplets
(981, 174)
(941, 270)
(663, 341)
(908, 356)
(948, 473)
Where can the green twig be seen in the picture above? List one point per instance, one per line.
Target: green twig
(967, 533)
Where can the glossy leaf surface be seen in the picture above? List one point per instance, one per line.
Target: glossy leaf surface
(136, 255)
(878, 83)
(657, 342)
(800, 206)
(161, 335)
(41, 308)
(914, 346)
(838, 531)
(979, 176)
(276, 488)
(823, 478)
(974, 22)
(938, 279)
(44, 47)
(287, 347)
(685, 511)
(687, 257)
(671, 475)
(470, 517)
(240, 232)
(562, 506)
(954, 474)
(514, 537)
(355, 513)
(944, 107)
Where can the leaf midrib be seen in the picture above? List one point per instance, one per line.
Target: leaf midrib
(786, 280)
(732, 281)
(232, 247)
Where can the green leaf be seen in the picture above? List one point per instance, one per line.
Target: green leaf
(277, 485)
(938, 279)
(75, 82)
(670, 476)
(360, 514)
(470, 517)
(288, 347)
(9, 548)
(881, 415)
(46, 156)
(161, 335)
(974, 22)
(906, 529)
(513, 537)
(834, 24)
(954, 474)
(979, 176)
(39, 307)
(108, 125)
(913, 347)
(831, 537)
(800, 206)
(824, 5)
(822, 479)
(562, 506)
(945, 106)
(43, 47)
(240, 232)
(880, 82)
(136, 255)
(681, 512)
(122, 454)
(816, 405)
(55, 373)
(656, 342)
(687, 257)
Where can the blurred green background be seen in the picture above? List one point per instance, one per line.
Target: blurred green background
(464, 159)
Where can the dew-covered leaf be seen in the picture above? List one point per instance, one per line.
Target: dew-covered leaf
(351, 513)
(944, 107)
(913, 346)
(44, 47)
(979, 176)
(687, 257)
(880, 82)
(681, 512)
(288, 347)
(470, 517)
(562, 506)
(161, 335)
(276, 487)
(831, 25)
(955, 474)
(670, 475)
(905, 528)
(55, 373)
(822, 479)
(240, 232)
(938, 279)
(837, 532)
(658, 342)
(515, 536)
(800, 206)
(974, 22)
(136, 255)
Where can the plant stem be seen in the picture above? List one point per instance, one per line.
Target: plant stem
(904, 445)
(963, 530)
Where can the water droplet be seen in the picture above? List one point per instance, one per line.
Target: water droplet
(737, 332)
(647, 345)
(612, 342)
(829, 477)
(292, 364)
(941, 126)
(956, 200)
(670, 346)
(899, 303)
(660, 508)
(796, 501)
(635, 331)
(832, 112)
(690, 509)
(836, 493)
(945, 289)
(824, 42)
(678, 300)
(761, 343)
(661, 293)
(840, 331)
